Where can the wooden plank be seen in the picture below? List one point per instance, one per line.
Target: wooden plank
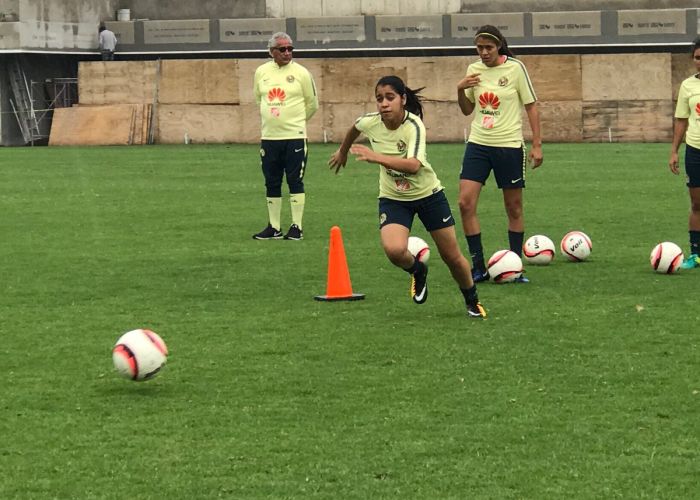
(199, 81)
(116, 82)
(92, 126)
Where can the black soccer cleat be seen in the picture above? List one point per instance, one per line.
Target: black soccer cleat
(476, 310)
(419, 284)
(294, 233)
(269, 233)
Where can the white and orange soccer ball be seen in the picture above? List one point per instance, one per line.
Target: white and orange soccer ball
(666, 258)
(139, 354)
(419, 248)
(576, 245)
(538, 249)
(505, 266)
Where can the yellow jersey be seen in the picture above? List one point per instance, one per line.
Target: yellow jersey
(287, 99)
(498, 101)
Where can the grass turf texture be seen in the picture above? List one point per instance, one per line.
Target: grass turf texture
(582, 383)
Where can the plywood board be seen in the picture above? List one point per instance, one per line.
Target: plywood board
(627, 121)
(615, 77)
(199, 81)
(681, 68)
(117, 82)
(555, 77)
(201, 123)
(560, 121)
(92, 126)
(439, 76)
(339, 117)
(246, 73)
(248, 129)
(444, 122)
(353, 79)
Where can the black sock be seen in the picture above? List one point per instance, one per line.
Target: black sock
(416, 265)
(476, 251)
(470, 295)
(694, 242)
(515, 240)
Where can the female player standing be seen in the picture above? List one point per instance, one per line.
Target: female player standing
(496, 87)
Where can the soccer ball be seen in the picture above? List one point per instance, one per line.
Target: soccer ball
(538, 249)
(139, 354)
(666, 258)
(576, 246)
(419, 248)
(505, 266)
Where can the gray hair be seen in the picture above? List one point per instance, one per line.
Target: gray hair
(280, 35)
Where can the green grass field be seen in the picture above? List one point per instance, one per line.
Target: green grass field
(584, 383)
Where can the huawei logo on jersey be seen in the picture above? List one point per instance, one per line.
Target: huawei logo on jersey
(276, 94)
(489, 99)
(697, 108)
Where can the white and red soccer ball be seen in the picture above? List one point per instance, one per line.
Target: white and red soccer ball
(505, 266)
(419, 248)
(666, 258)
(538, 249)
(576, 245)
(139, 354)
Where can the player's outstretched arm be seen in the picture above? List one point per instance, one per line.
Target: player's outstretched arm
(340, 157)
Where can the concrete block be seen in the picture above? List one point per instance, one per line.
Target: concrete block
(560, 121)
(379, 7)
(628, 121)
(203, 124)
(555, 77)
(444, 122)
(610, 77)
(681, 68)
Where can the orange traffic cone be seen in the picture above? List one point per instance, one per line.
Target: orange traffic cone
(339, 287)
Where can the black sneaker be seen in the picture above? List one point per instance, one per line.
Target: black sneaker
(419, 284)
(294, 233)
(479, 275)
(476, 310)
(269, 233)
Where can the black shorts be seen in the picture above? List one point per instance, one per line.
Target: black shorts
(283, 158)
(508, 165)
(692, 166)
(433, 211)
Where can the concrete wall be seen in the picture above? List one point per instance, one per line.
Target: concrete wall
(76, 11)
(194, 9)
(571, 5)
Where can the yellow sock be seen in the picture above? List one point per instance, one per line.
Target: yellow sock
(274, 209)
(297, 202)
